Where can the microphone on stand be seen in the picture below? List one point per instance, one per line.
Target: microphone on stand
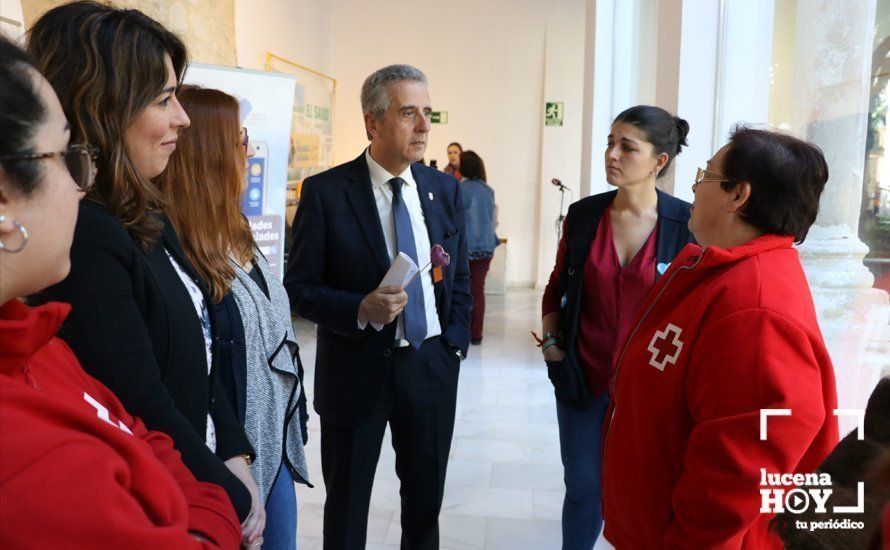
(562, 195)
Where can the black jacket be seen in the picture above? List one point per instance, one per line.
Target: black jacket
(133, 326)
(339, 255)
(581, 223)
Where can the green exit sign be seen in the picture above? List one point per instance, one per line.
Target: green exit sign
(553, 113)
(439, 117)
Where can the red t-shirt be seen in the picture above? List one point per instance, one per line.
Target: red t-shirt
(611, 297)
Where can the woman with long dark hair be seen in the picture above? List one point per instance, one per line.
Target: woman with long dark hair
(479, 212)
(202, 187)
(76, 469)
(614, 246)
(141, 321)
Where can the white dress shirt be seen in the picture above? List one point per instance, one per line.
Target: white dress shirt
(383, 197)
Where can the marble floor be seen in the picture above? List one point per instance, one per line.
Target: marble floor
(504, 488)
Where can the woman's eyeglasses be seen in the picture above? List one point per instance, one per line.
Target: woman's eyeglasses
(245, 141)
(80, 159)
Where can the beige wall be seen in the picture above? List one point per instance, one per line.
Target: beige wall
(206, 26)
(297, 30)
(487, 70)
(491, 73)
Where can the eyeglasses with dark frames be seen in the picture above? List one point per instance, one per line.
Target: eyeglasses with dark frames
(246, 140)
(80, 159)
(706, 175)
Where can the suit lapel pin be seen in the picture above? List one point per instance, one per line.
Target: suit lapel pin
(431, 195)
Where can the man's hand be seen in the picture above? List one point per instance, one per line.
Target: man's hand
(382, 305)
(252, 528)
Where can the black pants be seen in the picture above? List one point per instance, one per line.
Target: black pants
(418, 401)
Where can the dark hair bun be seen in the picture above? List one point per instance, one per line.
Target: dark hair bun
(664, 131)
(682, 132)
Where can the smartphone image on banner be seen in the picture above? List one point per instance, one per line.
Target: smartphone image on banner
(255, 194)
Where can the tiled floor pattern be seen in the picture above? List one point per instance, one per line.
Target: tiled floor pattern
(504, 488)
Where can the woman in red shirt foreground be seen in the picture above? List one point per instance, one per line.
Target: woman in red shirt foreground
(76, 471)
(729, 331)
(613, 249)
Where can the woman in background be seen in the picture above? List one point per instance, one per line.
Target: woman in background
(614, 247)
(141, 321)
(479, 212)
(202, 187)
(453, 169)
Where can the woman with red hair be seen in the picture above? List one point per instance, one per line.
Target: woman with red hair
(263, 374)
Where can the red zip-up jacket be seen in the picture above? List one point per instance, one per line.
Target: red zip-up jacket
(77, 471)
(723, 334)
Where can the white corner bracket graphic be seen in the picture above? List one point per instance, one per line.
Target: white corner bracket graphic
(665, 346)
(860, 502)
(860, 420)
(766, 413)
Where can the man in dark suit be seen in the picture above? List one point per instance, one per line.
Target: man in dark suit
(385, 355)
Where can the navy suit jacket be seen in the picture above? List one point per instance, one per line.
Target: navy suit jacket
(339, 255)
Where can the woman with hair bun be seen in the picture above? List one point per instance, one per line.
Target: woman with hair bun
(614, 247)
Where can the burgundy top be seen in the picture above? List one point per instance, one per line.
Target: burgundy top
(611, 298)
(452, 171)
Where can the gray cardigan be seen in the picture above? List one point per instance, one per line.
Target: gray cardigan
(271, 418)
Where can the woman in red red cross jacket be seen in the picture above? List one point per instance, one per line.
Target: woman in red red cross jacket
(613, 249)
(728, 332)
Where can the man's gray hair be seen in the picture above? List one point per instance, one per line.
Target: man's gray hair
(375, 90)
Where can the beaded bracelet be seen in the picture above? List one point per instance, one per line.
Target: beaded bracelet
(547, 337)
(549, 342)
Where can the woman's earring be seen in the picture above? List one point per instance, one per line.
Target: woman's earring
(22, 230)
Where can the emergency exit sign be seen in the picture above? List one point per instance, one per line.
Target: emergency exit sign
(439, 117)
(553, 113)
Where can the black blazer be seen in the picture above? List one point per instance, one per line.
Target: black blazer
(339, 255)
(133, 326)
(581, 223)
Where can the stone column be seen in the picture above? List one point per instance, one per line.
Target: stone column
(831, 91)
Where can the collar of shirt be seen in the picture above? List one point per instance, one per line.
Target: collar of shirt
(380, 176)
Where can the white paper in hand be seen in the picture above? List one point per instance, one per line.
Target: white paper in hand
(400, 274)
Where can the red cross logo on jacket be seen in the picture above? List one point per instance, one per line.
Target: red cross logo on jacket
(665, 346)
